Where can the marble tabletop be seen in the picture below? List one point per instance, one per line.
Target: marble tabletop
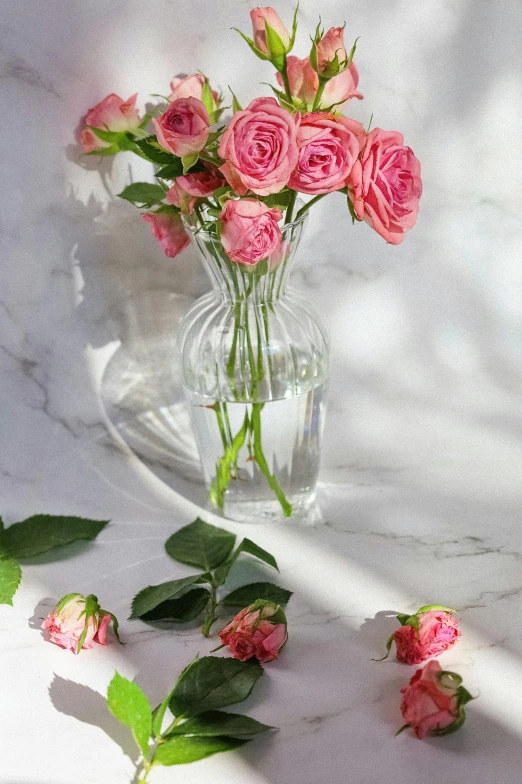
(421, 494)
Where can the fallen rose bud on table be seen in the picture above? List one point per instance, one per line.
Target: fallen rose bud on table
(77, 621)
(433, 701)
(426, 634)
(258, 631)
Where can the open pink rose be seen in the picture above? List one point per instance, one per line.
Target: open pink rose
(112, 114)
(329, 46)
(191, 187)
(438, 630)
(329, 145)
(259, 630)
(184, 128)
(385, 185)
(249, 230)
(189, 87)
(260, 148)
(168, 229)
(304, 83)
(75, 615)
(258, 17)
(433, 701)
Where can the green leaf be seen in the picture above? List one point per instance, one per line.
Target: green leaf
(181, 610)
(294, 28)
(41, 533)
(90, 609)
(276, 47)
(211, 723)
(188, 161)
(404, 727)
(456, 725)
(212, 682)
(106, 135)
(171, 170)
(214, 117)
(150, 597)
(389, 642)
(180, 751)
(246, 546)
(236, 106)
(428, 607)
(252, 45)
(247, 594)
(207, 97)
(464, 696)
(158, 714)
(408, 620)
(151, 151)
(200, 544)
(128, 704)
(145, 193)
(10, 576)
(112, 150)
(280, 199)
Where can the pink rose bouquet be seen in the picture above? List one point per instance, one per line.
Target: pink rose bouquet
(433, 701)
(77, 621)
(432, 630)
(241, 180)
(258, 631)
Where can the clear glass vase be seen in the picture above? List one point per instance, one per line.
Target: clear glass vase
(254, 357)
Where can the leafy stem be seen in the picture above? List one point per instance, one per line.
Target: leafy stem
(309, 204)
(290, 208)
(284, 75)
(211, 612)
(319, 93)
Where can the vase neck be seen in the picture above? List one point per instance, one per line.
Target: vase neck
(265, 281)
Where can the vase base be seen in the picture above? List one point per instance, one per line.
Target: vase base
(304, 510)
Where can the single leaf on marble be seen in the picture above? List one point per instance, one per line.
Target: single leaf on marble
(213, 682)
(201, 545)
(247, 594)
(181, 750)
(181, 610)
(10, 576)
(41, 533)
(128, 704)
(150, 597)
(212, 723)
(246, 546)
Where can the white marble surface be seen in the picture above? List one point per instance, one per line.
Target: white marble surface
(421, 486)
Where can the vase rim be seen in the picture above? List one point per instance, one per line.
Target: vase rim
(191, 222)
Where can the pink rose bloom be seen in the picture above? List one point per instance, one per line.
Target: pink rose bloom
(431, 701)
(258, 17)
(189, 87)
(304, 83)
(184, 128)
(189, 188)
(249, 230)
(329, 145)
(260, 148)
(438, 631)
(385, 185)
(259, 630)
(113, 114)
(331, 44)
(168, 229)
(74, 615)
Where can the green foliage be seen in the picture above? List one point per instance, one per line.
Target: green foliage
(181, 750)
(211, 683)
(171, 170)
(154, 152)
(247, 594)
(10, 576)
(214, 723)
(200, 544)
(128, 704)
(143, 194)
(154, 595)
(41, 533)
(180, 610)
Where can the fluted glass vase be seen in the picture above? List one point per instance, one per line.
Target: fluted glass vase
(254, 357)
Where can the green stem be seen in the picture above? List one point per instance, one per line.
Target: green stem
(262, 463)
(319, 93)
(290, 208)
(284, 74)
(309, 204)
(211, 614)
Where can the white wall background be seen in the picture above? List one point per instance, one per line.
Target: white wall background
(426, 336)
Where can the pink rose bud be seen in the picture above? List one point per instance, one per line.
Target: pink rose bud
(190, 87)
(77, 621)
(184, 128)
(168, 229)
(431, 631)
(111, 114)
(329, 56)
(258, 631)
(259, 148)
(433, 701)
(193, 186)
(261, 15)
(249, 230)
(385, 185)
(329, 146)
(304, 83)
